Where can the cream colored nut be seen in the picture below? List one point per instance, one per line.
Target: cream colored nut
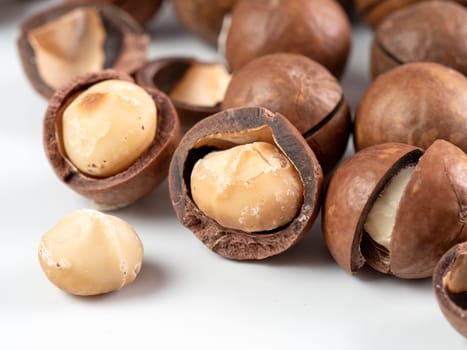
(382, 216)
(252, 187)
(202, 85)
(108, 127)
(456, 279)
(89, 253)
(68, 46)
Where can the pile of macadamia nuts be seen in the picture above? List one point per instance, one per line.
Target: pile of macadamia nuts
(247, 142)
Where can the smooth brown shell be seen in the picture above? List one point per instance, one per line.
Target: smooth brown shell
(301, 90)
(415, 103)
(125, 45)
(318, 29)
(141, 10)
(127, 186)
(432, 31)
(374, 11)
(352, 190)
(163, 74)
(224, 130)
(454, 312)
(203, 17)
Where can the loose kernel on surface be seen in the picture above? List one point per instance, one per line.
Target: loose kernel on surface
(252, 187)
(89, 253)
(108, 127)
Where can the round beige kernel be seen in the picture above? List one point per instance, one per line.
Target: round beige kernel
(89, 253)
(252, 187)
(108, 127)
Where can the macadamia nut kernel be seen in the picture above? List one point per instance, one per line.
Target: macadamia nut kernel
(108, 126)
(202, 85)
(382, 216)
(251, 187)
(69, 45)
(89, 253)
(456, 278)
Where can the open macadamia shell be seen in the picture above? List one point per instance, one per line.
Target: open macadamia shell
(228, 129)
(125, 44)
(203, 18)
(375, 11)
(318, 29)
(415, 103)
(430, 216)
(304, 92)
(452, 304)
(432, 31)
(141, 10)
(164, 74)
(129, 185)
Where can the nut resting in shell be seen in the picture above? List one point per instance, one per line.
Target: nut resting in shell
(89, 253)
(240, 159)
(301, 90)
(109, 139)
(428, 194)
(431, 31)
(450, 286)
(318, 29)
(415, 103)
(68, 40)
(196, 87)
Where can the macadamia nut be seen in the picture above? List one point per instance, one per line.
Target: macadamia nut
(202, 85)
(108, 126)
(89, 253)
(251, 187)
(456, 279)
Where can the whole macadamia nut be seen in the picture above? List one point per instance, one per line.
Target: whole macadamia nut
(318, 29)
(396, 208)
(89, 253)
(431, 31)
(415, 103)
(301, 90)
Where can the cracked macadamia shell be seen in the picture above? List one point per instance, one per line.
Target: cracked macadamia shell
(318, 29)
(166, 74)
(375, 11)
(301, 90)
(430, 216)
(203, 18)
(140, 177)
(453, 304)
(432, 31)
(124, 44)
(415, 103)
(228, 129)
(90, 253)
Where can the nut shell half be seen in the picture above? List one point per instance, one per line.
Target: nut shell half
(129, 185)
(125, 46)
(415, 103)
(453, 306)
(432, 31)
(224, 130)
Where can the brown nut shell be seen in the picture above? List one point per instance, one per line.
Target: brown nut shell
(301, 90)
(431, 31)
(352, 190)
(203, 17)
(129, 185)
(125, 45)
(224, 130)
(163, 74)
(453, 305)
(318, 29)
(374, 11)
(141, 10)
(415, 103)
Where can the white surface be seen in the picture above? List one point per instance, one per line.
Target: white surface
(186, 296)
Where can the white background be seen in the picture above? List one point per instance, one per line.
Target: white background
(186, 296)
